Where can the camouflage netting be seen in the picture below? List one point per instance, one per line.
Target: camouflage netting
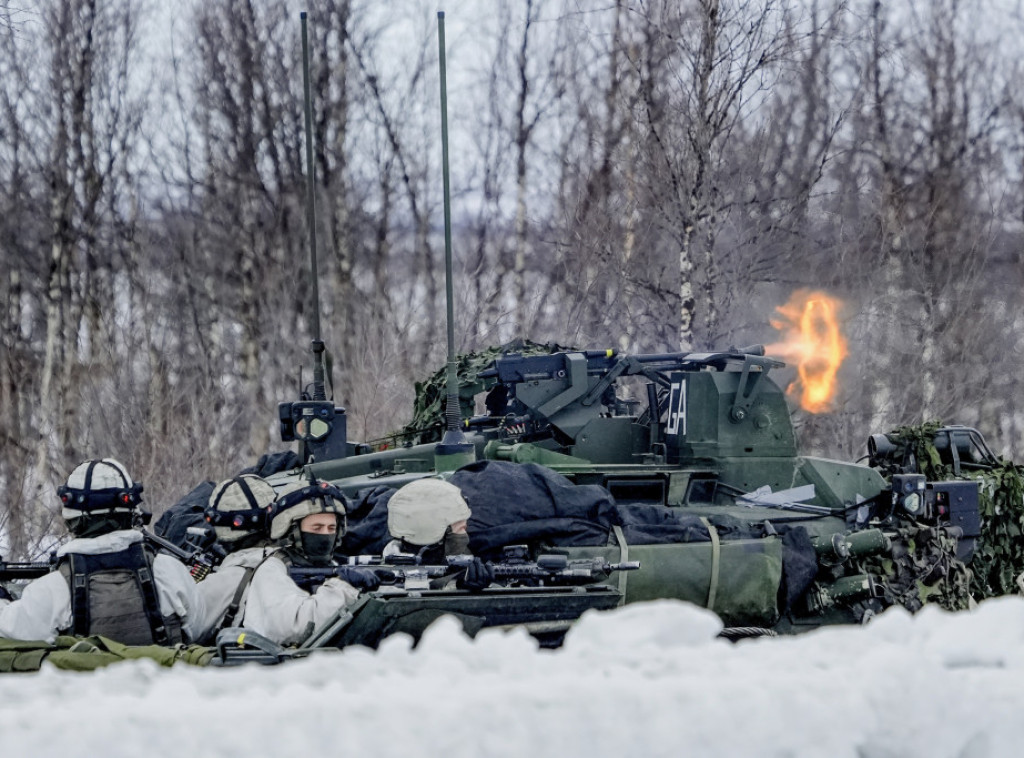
(428, 423)
(999, 556)
(923, 568)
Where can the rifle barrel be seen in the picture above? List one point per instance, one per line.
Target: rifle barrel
(24, 570)
(164, 544)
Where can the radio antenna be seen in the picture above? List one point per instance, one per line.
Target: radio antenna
(318, 425)
(454, 450)
(319, 391)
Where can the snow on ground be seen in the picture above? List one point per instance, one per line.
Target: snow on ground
(645, 680)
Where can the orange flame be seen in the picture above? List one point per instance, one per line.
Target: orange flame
(812, 340)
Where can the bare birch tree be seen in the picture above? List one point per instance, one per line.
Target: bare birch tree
(703, 67)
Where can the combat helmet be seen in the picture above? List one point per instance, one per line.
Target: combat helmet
(238, 510)
(303, 499)
(98, 496)
(421, 511)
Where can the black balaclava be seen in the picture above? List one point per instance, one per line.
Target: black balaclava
(318, 549)
(435, 554)
(456, 544)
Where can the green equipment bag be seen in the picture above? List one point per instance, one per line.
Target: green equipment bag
(737, 579)
(90, 653)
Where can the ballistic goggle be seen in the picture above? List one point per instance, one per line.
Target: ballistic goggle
(96, 500)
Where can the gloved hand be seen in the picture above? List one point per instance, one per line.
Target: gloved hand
(477, 576)
(361, 579)
(4, 594)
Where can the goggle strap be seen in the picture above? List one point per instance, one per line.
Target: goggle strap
(246, 490)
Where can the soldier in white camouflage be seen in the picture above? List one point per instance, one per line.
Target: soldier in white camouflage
(108, 581)
(306, 522)
(238, 511)
(428, 519)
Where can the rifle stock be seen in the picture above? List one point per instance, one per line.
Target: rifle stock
(200, 560)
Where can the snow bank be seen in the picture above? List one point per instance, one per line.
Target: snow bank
(649, 679)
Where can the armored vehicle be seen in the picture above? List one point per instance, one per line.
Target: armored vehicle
(699, 481)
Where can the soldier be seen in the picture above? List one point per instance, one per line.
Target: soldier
(108, 581)
(428, 519)
(238, 511)
(307, 521)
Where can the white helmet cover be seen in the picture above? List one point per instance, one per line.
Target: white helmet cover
(304, 499)
(247, 497)
(421, 511)
(99, 485)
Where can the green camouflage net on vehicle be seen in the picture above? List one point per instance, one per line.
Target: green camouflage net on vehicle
(922, 568)
(428, 422)
(999, 554)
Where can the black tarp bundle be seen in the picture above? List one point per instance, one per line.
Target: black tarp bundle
(174, 523)
(525, 503)
(367, 522)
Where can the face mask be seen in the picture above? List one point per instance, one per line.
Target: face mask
(318, 548)
(94, 526)
(456, 544)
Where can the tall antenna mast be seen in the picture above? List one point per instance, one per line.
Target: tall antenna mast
(454, 450)
(319, 391)
(320, 427)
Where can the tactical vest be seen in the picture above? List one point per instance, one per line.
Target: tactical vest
(114, 594)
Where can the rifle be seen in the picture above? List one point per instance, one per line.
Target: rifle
(514, 569)
(201, 553)
(554, 570)
(10, 571)
(363, 576)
